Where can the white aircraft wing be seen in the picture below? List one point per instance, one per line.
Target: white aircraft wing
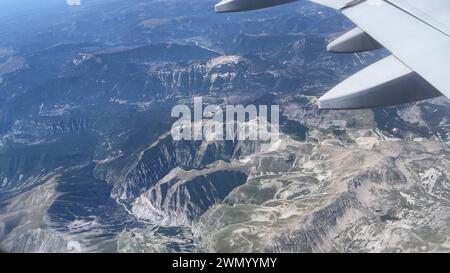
(416, 32)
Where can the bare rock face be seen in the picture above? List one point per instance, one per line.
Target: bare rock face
(165, 155)
(179, 200)
(360, 197)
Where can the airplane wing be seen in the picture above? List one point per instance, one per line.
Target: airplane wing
(416, 32)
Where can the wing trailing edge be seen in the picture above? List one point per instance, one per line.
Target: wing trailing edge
(414, 31)
(245, 5)
(385, 83)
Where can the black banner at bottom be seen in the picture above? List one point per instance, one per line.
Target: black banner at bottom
(220, 262)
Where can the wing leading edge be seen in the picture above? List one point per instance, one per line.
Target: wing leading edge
(415, 31)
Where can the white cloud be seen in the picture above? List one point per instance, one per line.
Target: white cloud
(73, 2)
